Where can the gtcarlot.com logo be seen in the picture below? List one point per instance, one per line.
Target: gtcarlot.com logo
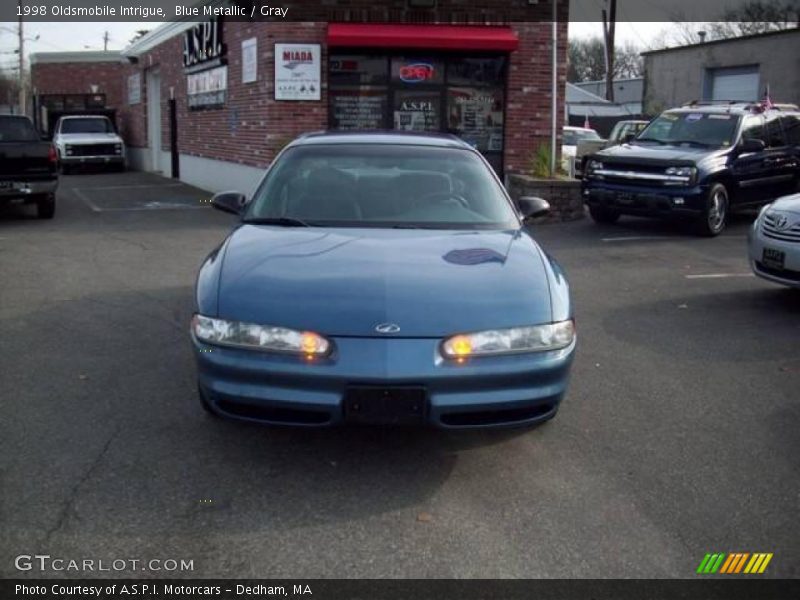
(734, 563)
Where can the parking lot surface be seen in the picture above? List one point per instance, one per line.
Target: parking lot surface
(680, 434)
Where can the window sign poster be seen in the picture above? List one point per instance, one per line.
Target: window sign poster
(207, 88)
(135, 89)
(249, 60)
(298, 72)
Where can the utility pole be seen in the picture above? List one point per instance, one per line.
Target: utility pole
(105, 41)
(609, 29)
(21, 63)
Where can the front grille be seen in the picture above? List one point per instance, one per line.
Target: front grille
(788, 233)
(651, 175)
(505, 416)
(91, 150)
(273, 414)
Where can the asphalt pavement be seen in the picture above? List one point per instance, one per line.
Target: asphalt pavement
(680, 434)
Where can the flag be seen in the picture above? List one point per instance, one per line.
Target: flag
(767, 101)
(586, 124)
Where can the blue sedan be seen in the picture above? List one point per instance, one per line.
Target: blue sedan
(382, 278)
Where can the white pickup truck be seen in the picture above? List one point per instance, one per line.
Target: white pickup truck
(88, 139)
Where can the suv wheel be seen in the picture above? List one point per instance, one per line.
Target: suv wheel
(46, 206)
(715, 215)
(603, 215)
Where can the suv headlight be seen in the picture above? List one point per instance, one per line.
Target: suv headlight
(536, 338)
(68, 149)
(118, 149)
(688, 173)
(259, 337)
(594, 165)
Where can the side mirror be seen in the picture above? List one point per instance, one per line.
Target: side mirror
(532, 207)
(752, 145)
(229, 202)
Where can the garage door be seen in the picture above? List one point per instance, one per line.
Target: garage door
(740, 83)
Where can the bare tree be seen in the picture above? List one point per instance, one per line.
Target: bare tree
(587, 61)
(754, 17)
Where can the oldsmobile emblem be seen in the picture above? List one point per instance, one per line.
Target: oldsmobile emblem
(387, 328)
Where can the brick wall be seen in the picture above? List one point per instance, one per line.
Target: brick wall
(78, 77)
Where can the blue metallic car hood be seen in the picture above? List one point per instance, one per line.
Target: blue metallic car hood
(345, 282)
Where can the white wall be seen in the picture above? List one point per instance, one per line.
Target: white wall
(219, 175)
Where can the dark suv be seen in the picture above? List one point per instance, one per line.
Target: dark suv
(698, 162)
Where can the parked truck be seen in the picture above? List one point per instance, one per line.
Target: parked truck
(28, 166)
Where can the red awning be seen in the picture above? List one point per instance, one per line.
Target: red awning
(427, 37)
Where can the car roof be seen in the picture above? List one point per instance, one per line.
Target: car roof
(441, 140)
(737, 109)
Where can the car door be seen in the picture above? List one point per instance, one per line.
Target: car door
(749, 169)
(778, 159)
(791, 130)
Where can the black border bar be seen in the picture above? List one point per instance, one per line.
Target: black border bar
(408, 589)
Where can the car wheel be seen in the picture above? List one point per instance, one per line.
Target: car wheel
(603, 215)
(715, 214)
(46, 206)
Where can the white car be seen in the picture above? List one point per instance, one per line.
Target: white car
(88, 139)
(774, 242)
(569, 143)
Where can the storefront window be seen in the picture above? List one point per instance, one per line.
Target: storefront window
(359, 108)
(477, 71)
(463, 95)
(413, 70)
(358, 69)
(476, 116)
(417, 110)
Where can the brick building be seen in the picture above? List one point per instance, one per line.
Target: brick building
(202, 100)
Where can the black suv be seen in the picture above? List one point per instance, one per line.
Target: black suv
(698, 161)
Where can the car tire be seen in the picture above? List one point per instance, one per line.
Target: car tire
(715, 212)
(45, 206)
(603, 215)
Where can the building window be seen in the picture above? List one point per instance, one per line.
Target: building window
(454, 93)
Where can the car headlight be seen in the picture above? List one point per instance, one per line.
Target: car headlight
(688, 172)
(536, 338)
(259, 337)
(69, 149)
(594, 165)
(118, 149)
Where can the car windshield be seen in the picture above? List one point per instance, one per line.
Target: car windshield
(96, 125)
(17, 129)
(572, 136)
(702, 129)
(382, 185)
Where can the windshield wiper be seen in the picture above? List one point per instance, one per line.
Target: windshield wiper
(649, 139)
(282, 221)
(690, 142)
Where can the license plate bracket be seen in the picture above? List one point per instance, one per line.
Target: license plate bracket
(385, 405)
(774, 259)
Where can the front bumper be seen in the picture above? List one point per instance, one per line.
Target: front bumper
(25, 189)
(758, 242)
(278, 389)
(647, 201)
(114, 159)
